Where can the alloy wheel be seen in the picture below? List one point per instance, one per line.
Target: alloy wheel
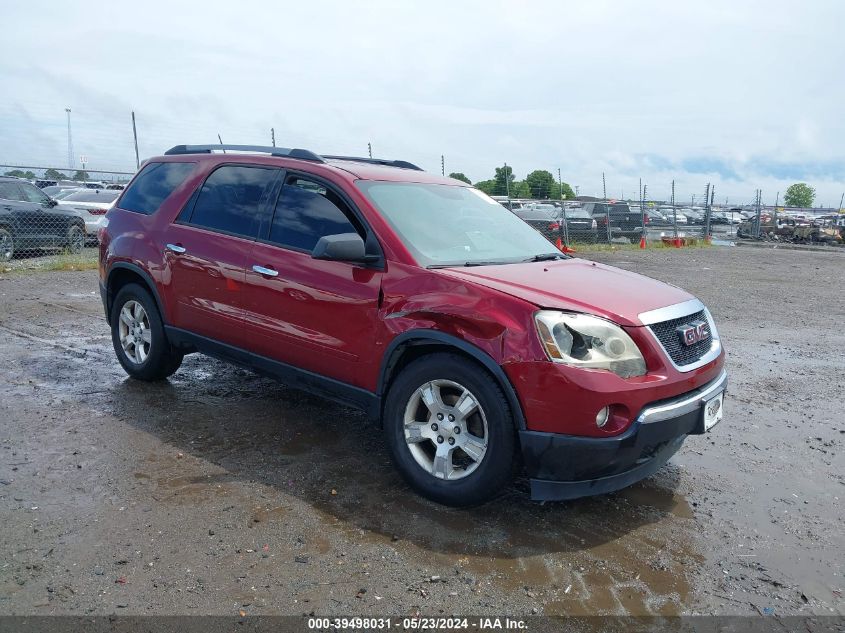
(135, 333)
(445, 429)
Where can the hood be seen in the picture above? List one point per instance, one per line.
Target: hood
(577, 285)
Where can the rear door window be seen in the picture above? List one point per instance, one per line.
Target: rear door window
(306, 211)
(233, 200)
(153, 185)
(11, 191)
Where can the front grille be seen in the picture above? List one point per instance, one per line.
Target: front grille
(666, 333)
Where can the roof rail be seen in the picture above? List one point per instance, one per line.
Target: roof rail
(377, 161)
(302, 154)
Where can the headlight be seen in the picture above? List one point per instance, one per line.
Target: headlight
(583, 340)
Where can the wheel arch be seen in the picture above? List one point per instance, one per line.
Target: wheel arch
(414, 344)
(122, 273)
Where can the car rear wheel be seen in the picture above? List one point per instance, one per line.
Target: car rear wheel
(75, 239)
(450, 430)
(138, 336)
(7, 246)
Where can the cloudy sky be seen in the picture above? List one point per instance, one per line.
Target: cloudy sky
(745, 95)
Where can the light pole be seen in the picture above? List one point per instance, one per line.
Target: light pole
(69, 142)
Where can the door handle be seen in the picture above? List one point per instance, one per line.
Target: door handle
(176, 248)
(265, 271)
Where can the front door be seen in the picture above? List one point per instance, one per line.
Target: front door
(313, 314)
(205, 251)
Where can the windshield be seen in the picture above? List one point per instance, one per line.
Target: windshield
(578, 213)
(93, 195)
(449, 225)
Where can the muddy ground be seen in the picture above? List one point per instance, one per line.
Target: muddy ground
(220, 491)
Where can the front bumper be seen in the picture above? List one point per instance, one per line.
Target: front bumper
(568, 467)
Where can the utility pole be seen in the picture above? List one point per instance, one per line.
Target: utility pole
(370, 149)
(69, 142)
(707, 212)
(775, 211)
(841, 200)
(642, 211)
(273, 136)
(135, 136)
(508, 188)
(674, 212)
(563, 209)
(442, 164)
(757, 215)
(606, 206)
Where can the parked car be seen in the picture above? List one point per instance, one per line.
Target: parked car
(624, 222)
(418, 299)
(29, 221)
(549, 221)
(91, 205)
(674, 216)
(54, 191)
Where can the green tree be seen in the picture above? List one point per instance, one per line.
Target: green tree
(568, 193)
(519, 189)
(17, 173)
(52, 174)
(540, 184)
(487, 186)
(799, 195)
(504, 178)
(81, 175)
(459, 176)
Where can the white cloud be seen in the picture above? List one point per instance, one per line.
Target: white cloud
(635, 89)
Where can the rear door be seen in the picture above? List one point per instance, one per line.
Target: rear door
(205, 250)
(313, 314)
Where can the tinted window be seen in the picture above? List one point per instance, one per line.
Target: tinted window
(305, 212)
(577, 213)
(92, 195)
(10, 191)
(32, 193)
(232, 199)
(155, 182)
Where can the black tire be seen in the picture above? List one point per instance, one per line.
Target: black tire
(494, 470)
(161, 360)
(75, 238)
(7, 245)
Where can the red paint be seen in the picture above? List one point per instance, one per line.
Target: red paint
(327, 317)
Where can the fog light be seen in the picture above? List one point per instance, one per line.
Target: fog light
(602, 416)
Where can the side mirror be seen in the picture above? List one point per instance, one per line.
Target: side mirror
(345, 247)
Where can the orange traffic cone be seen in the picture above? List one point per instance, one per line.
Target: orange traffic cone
(559, 244)
(566, 249)
(642, 242)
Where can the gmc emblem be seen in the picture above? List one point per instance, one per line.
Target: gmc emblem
(693, 332)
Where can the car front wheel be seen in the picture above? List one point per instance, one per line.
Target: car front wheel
(450, 430)
(138, 336)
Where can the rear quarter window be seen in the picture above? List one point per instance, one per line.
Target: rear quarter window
(153, 185)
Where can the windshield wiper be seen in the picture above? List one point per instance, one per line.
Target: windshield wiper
(465, 264)
(545, 257)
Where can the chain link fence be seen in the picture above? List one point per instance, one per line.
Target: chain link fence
(50, 221)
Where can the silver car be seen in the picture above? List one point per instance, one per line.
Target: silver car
(91, 205)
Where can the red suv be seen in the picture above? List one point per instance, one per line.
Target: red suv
(475, 346)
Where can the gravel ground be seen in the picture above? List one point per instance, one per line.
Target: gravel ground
(220, 491)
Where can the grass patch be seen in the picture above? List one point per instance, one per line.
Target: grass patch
(61, 261)
(651, 246)
(70, 262)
